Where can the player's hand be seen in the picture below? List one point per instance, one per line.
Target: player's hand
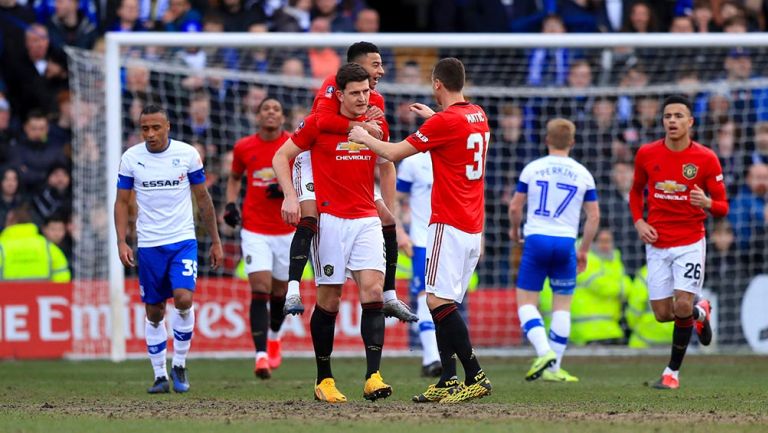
(647, 233)
(358, 134)
(232, 215)
(699, 198)
(126, 254)
(581, 261)
(421, 110)
(374, 112)
(274, 191)
(290, 210)
(374, 128)
(217, 255)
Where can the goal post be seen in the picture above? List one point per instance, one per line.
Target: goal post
(481, 51)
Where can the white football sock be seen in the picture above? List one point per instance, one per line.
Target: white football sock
(533, 326)
(157, 340)
(272, 335)
(427, 336)
(183, 322)
(389, 295)
(559, 331)
(293, 289)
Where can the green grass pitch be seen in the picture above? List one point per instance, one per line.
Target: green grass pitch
(718, 394)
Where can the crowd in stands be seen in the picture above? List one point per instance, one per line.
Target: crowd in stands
(36, 121)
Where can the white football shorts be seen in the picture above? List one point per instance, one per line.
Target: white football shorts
(266, 253)
(452, 255)
(303, 180)
(343, 245)
(675, 268)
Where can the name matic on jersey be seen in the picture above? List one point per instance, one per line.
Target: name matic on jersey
(476, 117)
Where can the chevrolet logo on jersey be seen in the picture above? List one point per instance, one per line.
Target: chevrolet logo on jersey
(265, 174)
(670, 186)
(351, 146)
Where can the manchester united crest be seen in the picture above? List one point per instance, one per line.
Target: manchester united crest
(328, 270)
(689, 171)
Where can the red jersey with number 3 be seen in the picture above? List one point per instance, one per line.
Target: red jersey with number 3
(261, 213)
(457, 139)
(327, 107)
(670, 176)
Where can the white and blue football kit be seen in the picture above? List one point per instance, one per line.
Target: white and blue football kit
(167, 253)
(414, 177)
(556, 188)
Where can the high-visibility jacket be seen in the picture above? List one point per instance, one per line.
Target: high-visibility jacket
(26, 255)
(646, 331)
(597, 301)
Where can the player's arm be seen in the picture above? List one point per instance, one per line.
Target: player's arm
(515, 211)
(122, 205)
(208, 214)
(404, 242)
(234, 183)
(717, 202)
(387, 179)
(591, 225)
(281, 163)
(636, 202)
(390, 151)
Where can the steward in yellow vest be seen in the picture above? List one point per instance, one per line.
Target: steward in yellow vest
(26, 255)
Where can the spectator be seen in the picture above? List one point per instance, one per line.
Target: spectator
(549, 66)
(69, 26)
(197, 126)
(410, 73)
(641, 19)
(367, 21)
(55, 230)
(645, 125)
(56, 196)
(614, 209)
(338, 20)
(14, 19)
(35, 154)
(760, 154)
(128, 18)
(611, 15)
(732, 158)
(748, 105)
(296, 116)
(11, 195)
(61, 130)
(748, 208)
(735, 24)
(180, 17)
(293, 67)
(323, 61)
(635, 77)
(239, 18)
(293, 17)
(247, 119)
(703, 18)
(682, 24)
(26, 255)
(34, 81)
(7, 134)
(600, 292)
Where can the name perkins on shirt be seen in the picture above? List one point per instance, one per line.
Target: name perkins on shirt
(557, 170)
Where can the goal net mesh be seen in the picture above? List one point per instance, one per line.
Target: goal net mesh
(613, 95)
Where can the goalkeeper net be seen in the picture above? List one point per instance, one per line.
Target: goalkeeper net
(612, 90)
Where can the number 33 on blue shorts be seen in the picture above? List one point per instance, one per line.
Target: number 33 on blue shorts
(166, 267)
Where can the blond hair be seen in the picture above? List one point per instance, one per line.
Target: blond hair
(561, 133)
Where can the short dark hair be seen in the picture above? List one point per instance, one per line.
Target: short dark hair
(36, 113)
(350, 73)
(450, 71)
(269, 98)
(361, 48)
(154, 109)
(678, 99)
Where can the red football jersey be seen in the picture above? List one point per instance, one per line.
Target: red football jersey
(328, 107)
(253, 155)
(343, 171)
(457, 139)
(670, 176)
